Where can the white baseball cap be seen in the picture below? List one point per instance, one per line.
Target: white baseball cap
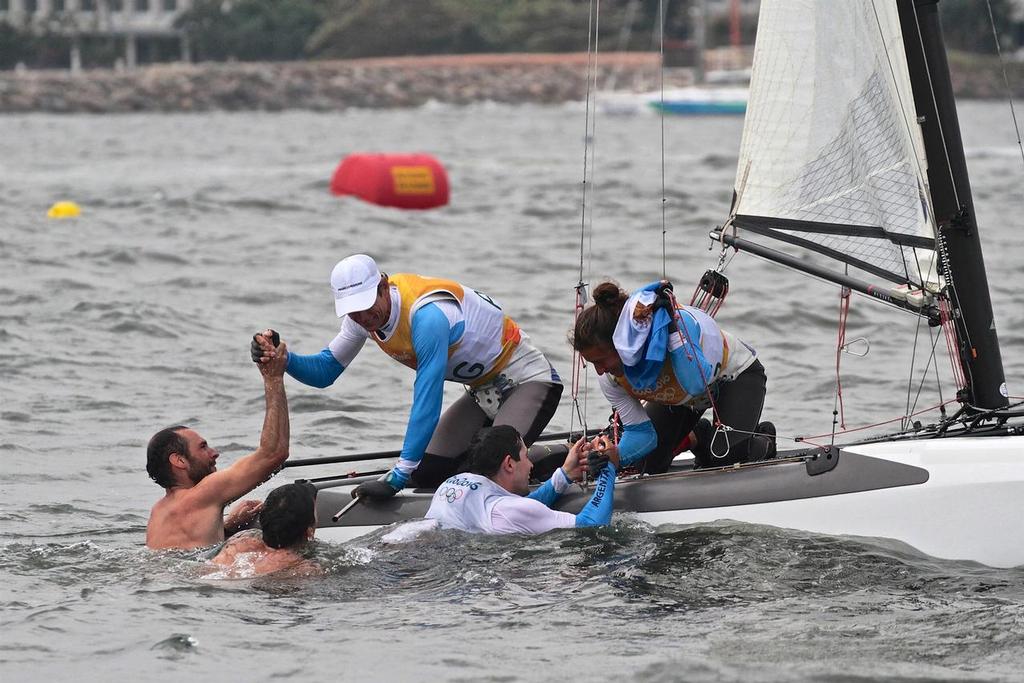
(354, 281)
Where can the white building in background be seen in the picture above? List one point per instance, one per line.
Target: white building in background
(133, 21)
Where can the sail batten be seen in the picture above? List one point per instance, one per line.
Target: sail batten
(840, 229)
(813, 237)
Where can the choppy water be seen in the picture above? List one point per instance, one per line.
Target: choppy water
(199, 230)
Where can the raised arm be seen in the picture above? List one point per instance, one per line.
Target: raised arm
(319, 370)
(250, 471)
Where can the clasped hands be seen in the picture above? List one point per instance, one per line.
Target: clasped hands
(268, 352)
(590, 456)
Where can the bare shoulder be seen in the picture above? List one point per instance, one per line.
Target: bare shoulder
(181, 520)
(162, 524)
(288, 563)
(250, 541)
(307, 568)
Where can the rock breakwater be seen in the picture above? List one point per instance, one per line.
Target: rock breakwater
(377, 83)
(325, 85)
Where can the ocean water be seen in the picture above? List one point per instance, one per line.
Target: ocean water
(198, 230)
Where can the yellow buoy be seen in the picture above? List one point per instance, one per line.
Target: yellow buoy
(64, 210)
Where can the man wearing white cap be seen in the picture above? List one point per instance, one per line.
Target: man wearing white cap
(444, 331)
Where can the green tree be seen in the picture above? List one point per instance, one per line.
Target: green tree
(368, 28)
(966, 25)
(251, 30)
(47, 50)
(15, 46)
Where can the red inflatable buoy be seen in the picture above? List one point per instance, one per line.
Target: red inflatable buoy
(406, 181)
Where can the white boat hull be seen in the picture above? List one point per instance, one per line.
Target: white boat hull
(967, 508)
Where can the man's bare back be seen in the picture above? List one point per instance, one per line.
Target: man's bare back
(247, 555)
(288, 523)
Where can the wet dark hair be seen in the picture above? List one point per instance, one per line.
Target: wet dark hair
(490, 446)
(596, 323)
(158, 453)
(287, 512)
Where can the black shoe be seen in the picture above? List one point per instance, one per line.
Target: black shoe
(767, 429)
(704, 433)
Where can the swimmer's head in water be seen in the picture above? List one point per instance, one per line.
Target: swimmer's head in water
(178, 456)
(288, 514)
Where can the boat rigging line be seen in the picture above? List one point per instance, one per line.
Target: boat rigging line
(931, 358)
(661, 117)
(924, 376)
(938, 120)
(589, 144)
(950, 329)
(808, 439)
(838, 412)
(913, 352)
(687, 343)
(1006, 81)
(941, 239)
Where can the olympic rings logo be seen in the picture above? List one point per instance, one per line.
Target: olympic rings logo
(451, 493)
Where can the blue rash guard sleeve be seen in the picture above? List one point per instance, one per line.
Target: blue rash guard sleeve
(546, 492)
(598, 510)
(637, 441)
(431, 336)
(317, 370)
(692, 370)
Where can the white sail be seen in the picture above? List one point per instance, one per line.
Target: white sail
(831, 141)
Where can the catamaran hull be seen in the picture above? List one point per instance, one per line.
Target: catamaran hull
(953, 498)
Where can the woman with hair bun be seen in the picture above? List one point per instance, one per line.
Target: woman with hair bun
(640, 353)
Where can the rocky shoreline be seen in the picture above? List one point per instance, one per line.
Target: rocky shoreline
(373, 83)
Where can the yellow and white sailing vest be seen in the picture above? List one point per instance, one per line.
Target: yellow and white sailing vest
(715, 344)
(487, 342)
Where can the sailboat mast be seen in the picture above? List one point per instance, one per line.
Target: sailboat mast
(950, 189)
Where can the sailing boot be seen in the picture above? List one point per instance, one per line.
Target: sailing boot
(703, 433)
(766, 434)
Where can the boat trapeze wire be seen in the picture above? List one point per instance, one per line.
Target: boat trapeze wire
(931, 358)
(838, 410)
(589, 146)
(1006, 80)
(661, 117)
(808, 439)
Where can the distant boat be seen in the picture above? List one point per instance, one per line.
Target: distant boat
(716, 92)
(721, 91)
(696, 100)
(700, 101)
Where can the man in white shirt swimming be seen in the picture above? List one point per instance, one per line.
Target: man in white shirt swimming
(494, 495)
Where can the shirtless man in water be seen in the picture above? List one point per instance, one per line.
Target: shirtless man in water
(191, 513)
(288, 522)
